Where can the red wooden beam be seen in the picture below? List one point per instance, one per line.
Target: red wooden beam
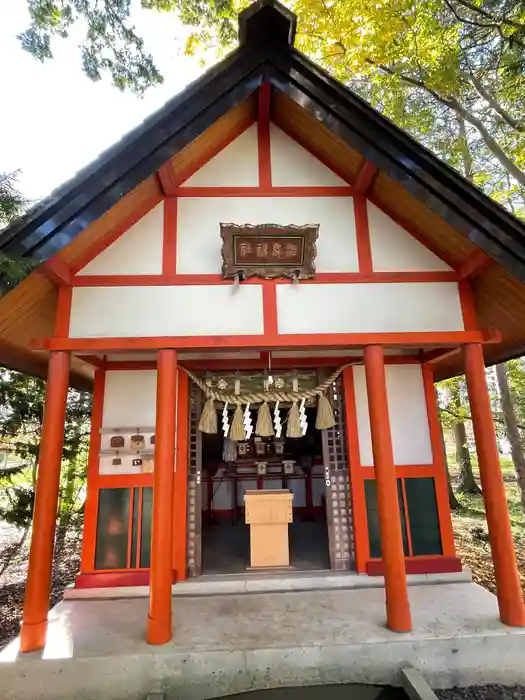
(262, 342)
(167, 178)
(263, 108)
(57, 271)
(474, 265)
(263, 136)
(365, 177)
(434, 356)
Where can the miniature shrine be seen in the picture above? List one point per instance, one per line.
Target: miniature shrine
(261, 285)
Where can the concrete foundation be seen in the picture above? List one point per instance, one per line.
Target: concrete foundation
(231, 643)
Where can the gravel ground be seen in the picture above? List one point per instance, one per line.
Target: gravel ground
(12, 582)
(483, 692)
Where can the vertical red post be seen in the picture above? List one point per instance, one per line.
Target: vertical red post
(397, 605)
(36, 603)
(510, 599)
(159, 618)
(90, 507)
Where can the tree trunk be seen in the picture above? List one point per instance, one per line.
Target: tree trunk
(466, 156)
(511, 428)
(452, 500)
(467, 482)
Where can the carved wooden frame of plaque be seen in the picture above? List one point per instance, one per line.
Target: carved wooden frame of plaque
(300, 269)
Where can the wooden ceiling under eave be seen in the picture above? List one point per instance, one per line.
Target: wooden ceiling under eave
(28, 312)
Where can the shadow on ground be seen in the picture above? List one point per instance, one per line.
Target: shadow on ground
(350, 691)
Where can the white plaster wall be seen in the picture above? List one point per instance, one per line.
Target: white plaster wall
(395, 250)
(166, 311)
(129, 399)
(408, 415)
(137, 252)
(369, 308)
(294, 166)
(129, 402)
(236, 165)
(198, 233)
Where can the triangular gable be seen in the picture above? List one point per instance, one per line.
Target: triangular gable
(138, 251)
(235, 166)
(395, 250)
(294, 166)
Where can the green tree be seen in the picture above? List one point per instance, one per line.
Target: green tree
(450, 72)
(12, 205)
(22, 405)
(110, 44)
(511, 390)
(454, 413)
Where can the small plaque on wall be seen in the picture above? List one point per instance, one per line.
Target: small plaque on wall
(269, 250)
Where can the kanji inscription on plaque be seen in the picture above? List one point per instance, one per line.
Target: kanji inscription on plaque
(269, 250)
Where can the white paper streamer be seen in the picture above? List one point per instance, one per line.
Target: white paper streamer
(302, 417)
(248, 427)
(225, 422)
(277, 421)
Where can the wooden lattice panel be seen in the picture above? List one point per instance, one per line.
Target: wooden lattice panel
(194, 486)
(337, 486)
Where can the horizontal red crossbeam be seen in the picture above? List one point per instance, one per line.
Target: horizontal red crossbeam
(208, 279)
(261, 342)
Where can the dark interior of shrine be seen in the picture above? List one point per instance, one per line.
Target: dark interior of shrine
(229, 469)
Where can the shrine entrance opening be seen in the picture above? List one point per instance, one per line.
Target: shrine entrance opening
(309, 466)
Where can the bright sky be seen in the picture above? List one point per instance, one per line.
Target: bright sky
(54, 120)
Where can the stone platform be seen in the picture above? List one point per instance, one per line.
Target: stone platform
(231, 643)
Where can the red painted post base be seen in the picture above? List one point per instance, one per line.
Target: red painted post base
(159, 630)
(34, 636)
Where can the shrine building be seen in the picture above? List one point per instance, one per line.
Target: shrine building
(261, 284)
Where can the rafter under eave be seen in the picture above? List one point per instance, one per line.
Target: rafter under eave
(365, 178)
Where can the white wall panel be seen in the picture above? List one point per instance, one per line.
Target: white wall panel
(395, 250)
(294, 166)
(136, 252)
(159, 311)
(236, 165)
(369, 308)
(198, 234)
(408, 415)
(129, 399)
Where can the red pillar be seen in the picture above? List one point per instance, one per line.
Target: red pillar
(397, 605)
(36, 603)
(510, 599)
(159, 618)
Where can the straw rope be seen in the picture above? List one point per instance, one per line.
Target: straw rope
(270, 396)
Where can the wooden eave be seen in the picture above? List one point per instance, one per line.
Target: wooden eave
(435, 203)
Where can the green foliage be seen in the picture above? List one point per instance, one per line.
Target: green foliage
(12, 203)
(110, 45)
(450, 72)
(22, 406)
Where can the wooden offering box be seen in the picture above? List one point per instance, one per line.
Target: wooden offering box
(268, 514)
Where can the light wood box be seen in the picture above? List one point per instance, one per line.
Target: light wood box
(268, 514)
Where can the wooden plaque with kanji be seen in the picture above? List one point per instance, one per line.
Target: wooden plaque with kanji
(268, 251)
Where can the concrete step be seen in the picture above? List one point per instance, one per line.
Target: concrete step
(235, 584)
